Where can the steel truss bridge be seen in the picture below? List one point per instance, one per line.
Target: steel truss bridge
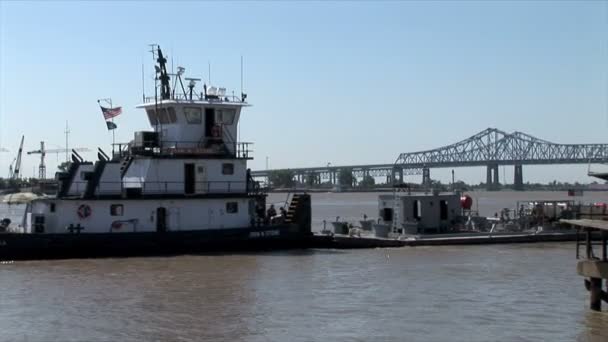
(491, 148)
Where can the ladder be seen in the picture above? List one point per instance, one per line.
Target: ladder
(124, 165)
(293, 209)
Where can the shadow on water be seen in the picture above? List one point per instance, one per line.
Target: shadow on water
(265, 253)
(595, 324)
(280, 253)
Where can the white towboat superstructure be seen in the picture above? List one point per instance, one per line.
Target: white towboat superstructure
(183, 186)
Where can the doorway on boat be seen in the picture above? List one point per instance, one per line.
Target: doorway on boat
(209, 122)
(174, 219)
(161, 219)
(417, 214)
(189, 179)
(443, 210)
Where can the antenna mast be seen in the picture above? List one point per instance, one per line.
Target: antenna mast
(165, 90)
(143, 88)
(67, 133)
(161, 74)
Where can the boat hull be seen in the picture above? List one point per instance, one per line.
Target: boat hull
(14, 246)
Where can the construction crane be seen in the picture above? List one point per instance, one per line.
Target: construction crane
(15, 168)
(43, 151)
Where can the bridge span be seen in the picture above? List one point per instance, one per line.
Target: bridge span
(490, 148)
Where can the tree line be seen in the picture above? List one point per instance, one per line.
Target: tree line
(287, 179)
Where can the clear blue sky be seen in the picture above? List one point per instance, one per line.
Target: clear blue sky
(339, 82)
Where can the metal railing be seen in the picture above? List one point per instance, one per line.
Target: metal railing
(207, 146)
(198, 97)
(166, 187)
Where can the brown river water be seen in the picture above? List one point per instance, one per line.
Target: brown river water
(465, 293)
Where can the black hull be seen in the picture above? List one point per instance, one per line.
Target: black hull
(64, 246)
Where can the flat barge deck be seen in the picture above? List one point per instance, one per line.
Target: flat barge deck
(354, 242)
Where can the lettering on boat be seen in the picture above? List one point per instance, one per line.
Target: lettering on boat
(264, 233)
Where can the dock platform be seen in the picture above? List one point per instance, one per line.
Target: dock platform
(593, 267)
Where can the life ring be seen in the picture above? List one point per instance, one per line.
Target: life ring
(215, 131)
(84, 211)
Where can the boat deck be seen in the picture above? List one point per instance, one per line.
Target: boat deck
(351, 242)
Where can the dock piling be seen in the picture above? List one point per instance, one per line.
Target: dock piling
(595, 288)
(593, 268)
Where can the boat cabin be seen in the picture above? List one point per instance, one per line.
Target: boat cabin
(419, 213)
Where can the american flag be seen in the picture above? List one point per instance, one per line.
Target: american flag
(109, 113)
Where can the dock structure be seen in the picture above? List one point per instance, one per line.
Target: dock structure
(593, 267)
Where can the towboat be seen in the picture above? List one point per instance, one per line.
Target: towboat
(181, 187)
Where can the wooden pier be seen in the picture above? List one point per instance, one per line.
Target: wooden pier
(593, 267)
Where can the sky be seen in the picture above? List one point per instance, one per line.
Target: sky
(345, 83)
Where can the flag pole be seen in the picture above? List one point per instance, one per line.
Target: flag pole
(109, 102)
(113, 133)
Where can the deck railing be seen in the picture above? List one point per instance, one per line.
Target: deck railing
(166, 188)
(206, 147)
(226, 98)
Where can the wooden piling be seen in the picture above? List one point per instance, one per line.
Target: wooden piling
(595, 288)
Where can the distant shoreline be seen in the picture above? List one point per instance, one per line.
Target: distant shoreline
(420, 190)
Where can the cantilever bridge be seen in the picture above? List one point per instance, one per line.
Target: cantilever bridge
(491, 148)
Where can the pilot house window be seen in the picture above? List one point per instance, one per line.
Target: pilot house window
(193, 115)
(226, 116)
(227, 169)
(232, 207)
(163, 116)
(116, 209)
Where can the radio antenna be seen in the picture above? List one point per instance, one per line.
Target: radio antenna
(67, 133)
(209, 63)
(241, 75)
(143, 87)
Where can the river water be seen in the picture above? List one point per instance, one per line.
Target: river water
(464, 293)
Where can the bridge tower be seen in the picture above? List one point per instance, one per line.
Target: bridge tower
(492, 181)
(426, 176)
(518, 177)
(396, 176)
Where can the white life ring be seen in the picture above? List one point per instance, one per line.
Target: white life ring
(84, 211)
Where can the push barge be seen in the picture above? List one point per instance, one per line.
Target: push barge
(182, 187)
(434, 218)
